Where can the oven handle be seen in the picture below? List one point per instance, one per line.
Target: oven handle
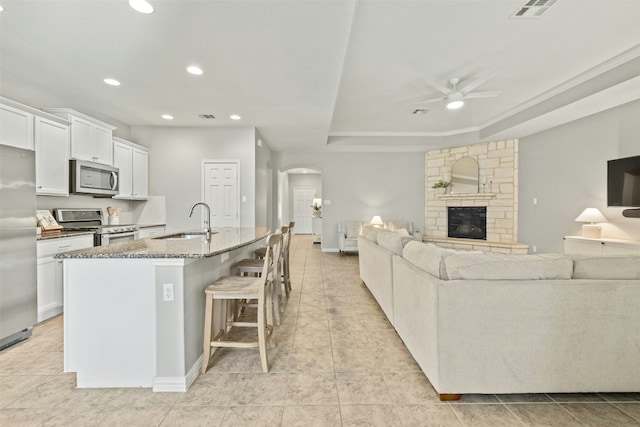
(107, 237)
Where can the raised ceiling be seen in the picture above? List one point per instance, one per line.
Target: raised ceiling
(325, 75)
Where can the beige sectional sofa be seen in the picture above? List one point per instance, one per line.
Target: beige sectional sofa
(494, 323)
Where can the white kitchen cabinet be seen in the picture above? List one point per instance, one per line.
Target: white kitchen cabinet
(50, 297)
(133, 162)
(52, 157)
(146, 232)
(91, 139)
(600, 247)
(16, 125)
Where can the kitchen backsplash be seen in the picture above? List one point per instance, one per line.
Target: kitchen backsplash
(130, 211)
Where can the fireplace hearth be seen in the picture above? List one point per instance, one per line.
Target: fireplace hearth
(467, 222)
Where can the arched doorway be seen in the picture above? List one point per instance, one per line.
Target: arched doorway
(300, 199)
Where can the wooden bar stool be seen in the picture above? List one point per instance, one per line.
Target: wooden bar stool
(251, 267)
(235, 289)
(259, 253)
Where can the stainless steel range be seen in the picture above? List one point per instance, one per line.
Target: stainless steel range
(91, 220)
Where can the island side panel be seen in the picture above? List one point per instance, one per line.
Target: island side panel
(109, 322)
(180, 323)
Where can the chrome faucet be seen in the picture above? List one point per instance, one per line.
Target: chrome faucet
(207, 222)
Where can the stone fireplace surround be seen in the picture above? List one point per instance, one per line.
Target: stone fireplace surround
(498, 163)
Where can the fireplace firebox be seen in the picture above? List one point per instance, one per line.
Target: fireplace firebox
(467, 222)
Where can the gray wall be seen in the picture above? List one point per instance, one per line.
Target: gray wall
(175, 167)
(361, 185)
(264, 183)
(565, 168)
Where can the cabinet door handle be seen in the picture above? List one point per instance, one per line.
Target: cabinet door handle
(64, 247)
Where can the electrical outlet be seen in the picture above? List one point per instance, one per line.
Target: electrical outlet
(224, 256)
(534, 249)
(167, 291)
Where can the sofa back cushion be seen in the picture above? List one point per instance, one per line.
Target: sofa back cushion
(430, 257)
(425, 256)
(370, 233)
(490, 266)
(619, 267)
(393, 241)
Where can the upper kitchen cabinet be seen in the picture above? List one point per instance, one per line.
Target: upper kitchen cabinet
(52, 156)
(16, 124)
(91, 139)
(133, 162)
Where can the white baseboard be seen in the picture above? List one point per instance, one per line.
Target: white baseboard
(178, 384)
(330, 250)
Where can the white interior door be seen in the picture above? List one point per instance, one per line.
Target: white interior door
(302, 211)
(222, 192)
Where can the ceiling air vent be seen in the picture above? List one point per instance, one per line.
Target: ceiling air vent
(206, 116)
(533, 9)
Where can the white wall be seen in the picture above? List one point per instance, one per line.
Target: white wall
(175, 167)
(565, 169)
(361, 185)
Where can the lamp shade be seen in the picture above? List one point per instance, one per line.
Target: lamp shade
(591, 215)
(376, 220)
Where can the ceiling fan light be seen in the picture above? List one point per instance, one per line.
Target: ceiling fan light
(141, 6)
(455, 101)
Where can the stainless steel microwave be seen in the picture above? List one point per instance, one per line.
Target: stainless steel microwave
(93, 178)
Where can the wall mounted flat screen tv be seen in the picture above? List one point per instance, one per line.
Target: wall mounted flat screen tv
(623, 182)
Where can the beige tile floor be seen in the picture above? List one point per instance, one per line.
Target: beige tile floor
(338, 363)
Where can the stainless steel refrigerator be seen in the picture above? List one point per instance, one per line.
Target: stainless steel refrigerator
(18, 275)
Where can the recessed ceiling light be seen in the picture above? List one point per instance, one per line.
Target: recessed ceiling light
(142, 6)
(112, 82)
(196, 71)
(304, 171)
(1, 9)
(235, 117)
(167, 116)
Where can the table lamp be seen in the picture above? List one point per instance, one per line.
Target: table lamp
(376, 221)
(591, 215)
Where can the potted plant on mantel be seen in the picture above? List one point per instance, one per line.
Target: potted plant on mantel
(441, 186)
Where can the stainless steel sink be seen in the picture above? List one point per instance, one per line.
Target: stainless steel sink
(183, 236)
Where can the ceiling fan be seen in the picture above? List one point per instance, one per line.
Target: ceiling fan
(455, 96)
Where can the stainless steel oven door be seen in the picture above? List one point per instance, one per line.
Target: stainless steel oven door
(106, 239)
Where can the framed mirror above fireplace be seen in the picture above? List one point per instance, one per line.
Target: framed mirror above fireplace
(465, 176)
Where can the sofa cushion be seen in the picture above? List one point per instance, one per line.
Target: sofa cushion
(430, 257)
(393, 241)
(620, 267)
(490, 266)
(370, 233)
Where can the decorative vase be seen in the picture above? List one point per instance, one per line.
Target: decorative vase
(440, 190)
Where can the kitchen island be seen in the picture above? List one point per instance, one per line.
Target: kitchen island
(134, 311)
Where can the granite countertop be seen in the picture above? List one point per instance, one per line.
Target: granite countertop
(224, 240)
(46, 235)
